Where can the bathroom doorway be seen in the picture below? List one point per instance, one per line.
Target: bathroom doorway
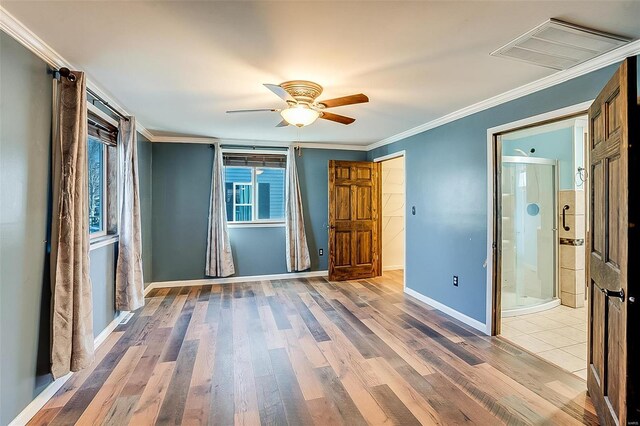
(540, 272)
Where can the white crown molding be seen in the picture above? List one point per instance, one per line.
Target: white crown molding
(285, 144)
(43, 397)
(183, 139)
(257, 143)
(23, 35)
(594, 64)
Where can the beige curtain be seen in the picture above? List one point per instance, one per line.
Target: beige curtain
(129, 279)
(296, 239)
(72, 316)
(219, 262)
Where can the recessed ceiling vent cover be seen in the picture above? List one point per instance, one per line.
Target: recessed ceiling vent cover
(559, 45)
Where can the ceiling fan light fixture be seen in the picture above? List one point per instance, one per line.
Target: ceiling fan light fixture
(299, 115)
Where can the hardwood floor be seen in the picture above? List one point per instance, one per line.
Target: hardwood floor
(309, 351)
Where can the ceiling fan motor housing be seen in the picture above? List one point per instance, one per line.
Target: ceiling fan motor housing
(302, 91)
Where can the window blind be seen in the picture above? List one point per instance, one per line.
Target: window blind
(254, 160)
(100, 129)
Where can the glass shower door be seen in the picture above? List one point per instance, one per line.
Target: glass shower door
(528, 232)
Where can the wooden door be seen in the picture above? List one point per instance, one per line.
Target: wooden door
(613, 272)
(354, 220)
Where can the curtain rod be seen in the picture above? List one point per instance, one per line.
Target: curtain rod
(65, 72)
(251, 147)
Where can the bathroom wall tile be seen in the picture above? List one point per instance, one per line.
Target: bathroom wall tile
(572, 257)
(576, 224)
(568, 280)
(572, 280)
(572, 300)
(574, 199)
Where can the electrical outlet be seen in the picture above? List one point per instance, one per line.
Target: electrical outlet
(321, 252)
(455, 280)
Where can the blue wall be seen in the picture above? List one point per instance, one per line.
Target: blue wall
(179, 224)
(557, 145)
(447, 183)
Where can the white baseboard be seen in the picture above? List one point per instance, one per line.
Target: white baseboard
(100, 338)
(449, 311)
(43, 397)
(392, 267)
(230, 280)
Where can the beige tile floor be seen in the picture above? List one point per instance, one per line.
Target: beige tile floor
(558, 335)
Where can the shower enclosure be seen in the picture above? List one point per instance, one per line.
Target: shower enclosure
(529, 235)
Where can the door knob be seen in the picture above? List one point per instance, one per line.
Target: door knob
(613, 293)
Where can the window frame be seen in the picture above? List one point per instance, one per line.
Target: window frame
(255, 222)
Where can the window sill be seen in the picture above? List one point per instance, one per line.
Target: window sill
(102, 241)
(256, 225)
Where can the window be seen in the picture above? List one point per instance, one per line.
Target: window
(254, 187)
(97, 180)
(102, 176)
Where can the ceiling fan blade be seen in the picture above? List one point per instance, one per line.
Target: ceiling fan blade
(283, 123)
(345, 100)
(280, 92)
(337, 118)
(253, 110)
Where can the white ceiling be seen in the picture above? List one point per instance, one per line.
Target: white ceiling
(179, 65)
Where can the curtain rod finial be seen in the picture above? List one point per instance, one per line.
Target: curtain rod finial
(65, 72)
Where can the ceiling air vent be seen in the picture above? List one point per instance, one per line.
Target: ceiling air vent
(559, 45)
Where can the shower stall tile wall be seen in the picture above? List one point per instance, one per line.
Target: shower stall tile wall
(571, 209)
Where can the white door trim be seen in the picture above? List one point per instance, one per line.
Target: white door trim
(398, 154)
(547, 116)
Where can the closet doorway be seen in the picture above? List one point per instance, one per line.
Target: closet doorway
(393, 216)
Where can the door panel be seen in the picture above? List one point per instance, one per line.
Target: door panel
(354, 220)
(613, 119)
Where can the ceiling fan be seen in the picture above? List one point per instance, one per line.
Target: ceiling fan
(302, 108)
